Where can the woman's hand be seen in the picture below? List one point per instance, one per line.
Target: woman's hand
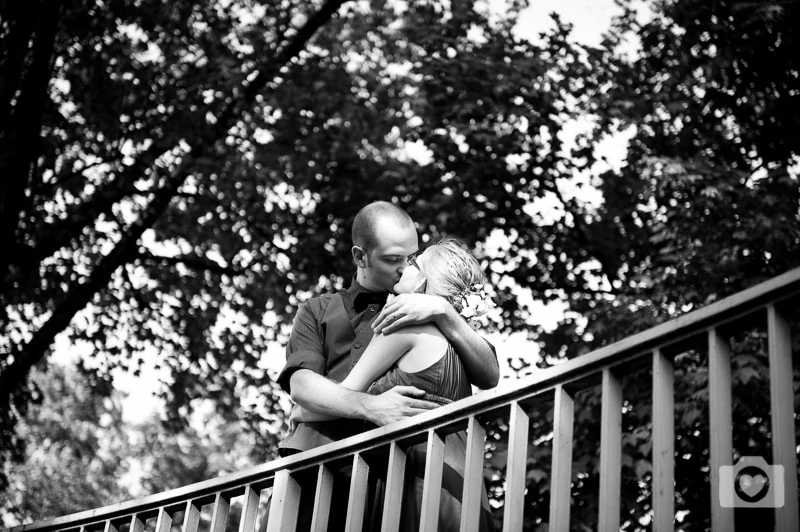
(409, 309)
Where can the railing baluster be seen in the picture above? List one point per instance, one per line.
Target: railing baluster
(285, 503)
(720, 424)
(663, 443)
(473, 476)
(610, 452)
(219, 515)
(395, 476)
(109, 526)
(164, 521)
(561, 470)
(358, 494)
(137, 525)
(432, 483)
(782, 404)
(249, 510)
(322, 500)
(191, 517)
(516, 468)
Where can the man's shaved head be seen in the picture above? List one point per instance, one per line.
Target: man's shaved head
(368, 219)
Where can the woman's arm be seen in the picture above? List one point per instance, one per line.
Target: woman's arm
(377, 358)
(476, 354)
(381, 353)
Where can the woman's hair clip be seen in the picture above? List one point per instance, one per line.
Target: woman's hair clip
(475, 301)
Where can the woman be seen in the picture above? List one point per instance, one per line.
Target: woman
(421, 356)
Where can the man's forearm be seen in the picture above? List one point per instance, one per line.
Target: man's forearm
(318, 394)
(477, 356)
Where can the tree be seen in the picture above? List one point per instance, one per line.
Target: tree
(84, 454)
(705, 206)
(110, 113)
(196, 170)
(80, 450)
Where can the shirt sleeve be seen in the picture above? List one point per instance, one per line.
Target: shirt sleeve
(305, 347)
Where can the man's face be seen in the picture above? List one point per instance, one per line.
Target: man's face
(382, 266)
(413, 279)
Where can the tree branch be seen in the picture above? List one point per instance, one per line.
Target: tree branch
(80, 293)
(19, 139)
(194, 262)
(583, 234)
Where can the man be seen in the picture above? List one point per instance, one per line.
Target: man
(330, 333)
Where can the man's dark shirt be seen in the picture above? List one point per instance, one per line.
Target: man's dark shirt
(328, 337)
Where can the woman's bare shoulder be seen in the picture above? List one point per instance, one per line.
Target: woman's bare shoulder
(424, 329)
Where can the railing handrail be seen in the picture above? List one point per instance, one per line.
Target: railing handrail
(672, 332)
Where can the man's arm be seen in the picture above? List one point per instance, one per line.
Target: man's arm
(318, 394)
(476, 354)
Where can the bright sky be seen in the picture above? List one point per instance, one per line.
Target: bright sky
(590, 18)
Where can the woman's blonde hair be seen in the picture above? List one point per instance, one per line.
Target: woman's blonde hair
(451, 271)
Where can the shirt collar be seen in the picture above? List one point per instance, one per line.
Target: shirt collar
(349, 295)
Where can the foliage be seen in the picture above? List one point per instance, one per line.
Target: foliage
(76, 453)
(705, 205)
(83, 454)
(182, 176)
(189, 190)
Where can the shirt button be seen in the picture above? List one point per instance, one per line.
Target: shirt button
(373, 308)
(357, 346)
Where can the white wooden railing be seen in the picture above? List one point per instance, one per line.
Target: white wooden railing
(768, 306)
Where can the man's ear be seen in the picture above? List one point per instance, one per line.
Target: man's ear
(359, 256)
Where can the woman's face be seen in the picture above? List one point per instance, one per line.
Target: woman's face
(412, 279)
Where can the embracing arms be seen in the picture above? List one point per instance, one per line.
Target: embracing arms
(378, 357)
(476, 354)
(317, 394)
(303, 379)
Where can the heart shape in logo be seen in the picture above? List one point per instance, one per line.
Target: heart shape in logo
(751, 484)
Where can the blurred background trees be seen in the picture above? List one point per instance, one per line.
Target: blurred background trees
(178, 176)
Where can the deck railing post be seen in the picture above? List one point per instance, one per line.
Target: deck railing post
(284, 504)
(561, 470)
(610, 452)
(473, 476)
(219, 515)
(395, 477)
(137, 525)
(720, 424)
(432, 483)
(322, 499)
(249, 510)
(663, 443)
(164, 520)
(782, 405)
(191, 517)
(516, 468)
(357, 501)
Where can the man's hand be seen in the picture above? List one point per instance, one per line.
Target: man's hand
(399, 403)
(409, 309)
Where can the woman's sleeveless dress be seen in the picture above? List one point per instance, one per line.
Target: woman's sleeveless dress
(444, 381)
